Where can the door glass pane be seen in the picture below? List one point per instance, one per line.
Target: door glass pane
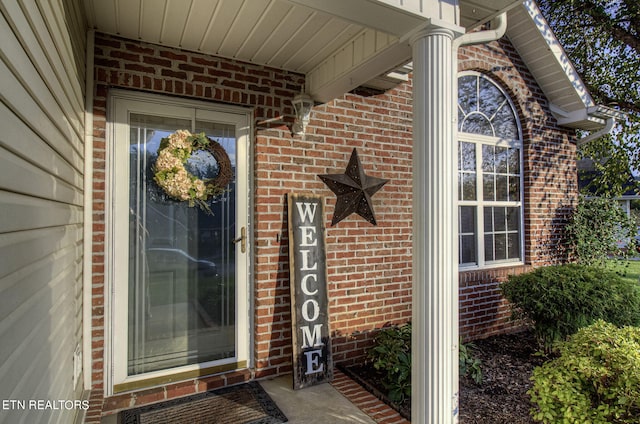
(181, 259)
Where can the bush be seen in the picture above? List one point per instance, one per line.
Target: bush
(391, 354)
(596, 378)
(564, 298)
(599, 229)
(469, 364)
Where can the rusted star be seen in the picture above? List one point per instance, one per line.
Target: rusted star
(354, 190)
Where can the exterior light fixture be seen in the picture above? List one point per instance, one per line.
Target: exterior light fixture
(302, 104)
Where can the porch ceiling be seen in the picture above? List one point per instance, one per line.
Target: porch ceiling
(342, 44)
(305, 36)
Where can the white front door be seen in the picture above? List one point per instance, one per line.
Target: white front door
(179, 281)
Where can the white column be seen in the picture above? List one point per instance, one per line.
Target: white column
(435, 256)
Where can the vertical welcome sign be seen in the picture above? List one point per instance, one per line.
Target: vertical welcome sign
(312, 362)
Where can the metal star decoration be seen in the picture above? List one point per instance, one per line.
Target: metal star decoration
(354, 190)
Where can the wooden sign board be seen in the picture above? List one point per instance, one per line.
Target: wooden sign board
(312, 362)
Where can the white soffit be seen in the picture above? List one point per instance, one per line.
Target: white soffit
(340, 44)
(474, 13)
(274, 33)
(546, 59)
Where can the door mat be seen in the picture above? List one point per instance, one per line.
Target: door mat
(244, 404)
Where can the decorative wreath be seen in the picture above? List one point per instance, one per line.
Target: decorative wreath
(178, 183)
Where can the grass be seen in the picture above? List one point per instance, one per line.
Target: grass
(632, 271)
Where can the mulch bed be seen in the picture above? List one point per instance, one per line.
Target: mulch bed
(507, 363)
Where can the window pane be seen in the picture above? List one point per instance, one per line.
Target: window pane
(505, 123)
(467, 159)
(514, 189)
(499, 219)
(477, 124)
(488, 220)
(501, 159)
(513, 219)
(502, 188)
(500, 247)
(488, 247)
(488, 187)
(491, 98)
(484, 109)
(467, 249)
(468, 189)
(467, 231)
(502, 233)
(514, 246)
(467, 96)
(514, 161)
(467, 219)
(488, 158)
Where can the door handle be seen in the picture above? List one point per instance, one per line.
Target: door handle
(242, 239)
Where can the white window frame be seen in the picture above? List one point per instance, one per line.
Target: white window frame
(479, 203)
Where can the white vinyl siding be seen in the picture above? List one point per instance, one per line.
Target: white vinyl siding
(41, 204)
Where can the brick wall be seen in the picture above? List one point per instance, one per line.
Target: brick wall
(550, 182)
(369, 267)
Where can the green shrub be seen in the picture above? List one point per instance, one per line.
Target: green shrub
(596, 378)
(599, 229)
(561, 299)
(391, 354)
(469, 364)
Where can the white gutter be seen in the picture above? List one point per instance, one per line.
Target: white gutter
(499, 28)
(88, 214)
(602, 132)
(483, 37)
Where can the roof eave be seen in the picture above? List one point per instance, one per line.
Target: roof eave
(591, 118)
(571, 102)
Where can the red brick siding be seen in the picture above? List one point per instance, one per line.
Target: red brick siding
(550, 182)
(129, 64)
(369, 267)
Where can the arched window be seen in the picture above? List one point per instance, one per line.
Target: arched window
(490, 227)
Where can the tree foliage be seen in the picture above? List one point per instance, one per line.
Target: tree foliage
(598, 230)
(602, 39)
